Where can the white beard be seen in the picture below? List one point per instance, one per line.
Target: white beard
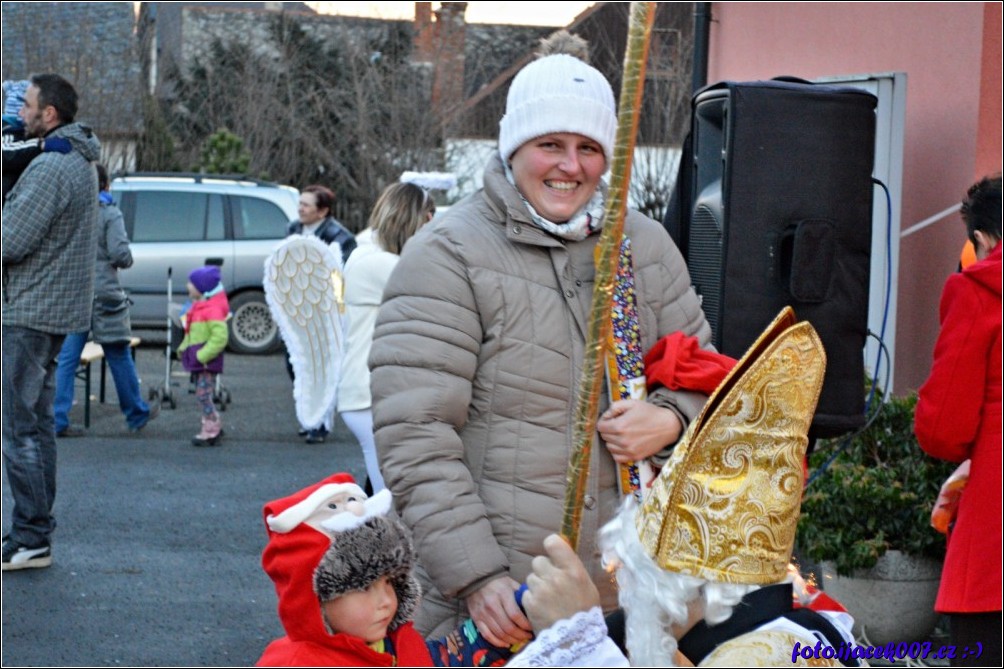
(377, 505)
(316, 512)
(654, 600)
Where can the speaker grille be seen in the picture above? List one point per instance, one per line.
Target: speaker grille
(705, 263)
(790, 153)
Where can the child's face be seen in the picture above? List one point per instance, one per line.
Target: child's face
(193, 292)
(365, 613)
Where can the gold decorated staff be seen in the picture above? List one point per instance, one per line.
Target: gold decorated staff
(607, 255)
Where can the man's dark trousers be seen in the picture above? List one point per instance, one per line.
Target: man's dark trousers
(29, 438)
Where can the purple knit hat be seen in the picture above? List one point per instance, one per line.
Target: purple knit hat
(205, 278)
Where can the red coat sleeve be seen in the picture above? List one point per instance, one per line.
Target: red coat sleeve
(950, 401)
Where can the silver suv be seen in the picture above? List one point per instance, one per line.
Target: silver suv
(178, 222)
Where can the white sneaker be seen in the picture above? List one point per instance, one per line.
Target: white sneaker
(16, 556)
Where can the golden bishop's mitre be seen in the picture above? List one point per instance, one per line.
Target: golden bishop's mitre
(725, 506)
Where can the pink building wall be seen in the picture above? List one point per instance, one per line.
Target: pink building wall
(988, 151)
(941, 47)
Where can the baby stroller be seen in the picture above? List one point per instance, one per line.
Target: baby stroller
(175, 333)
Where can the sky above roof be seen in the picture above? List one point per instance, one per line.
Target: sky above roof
(537, 14)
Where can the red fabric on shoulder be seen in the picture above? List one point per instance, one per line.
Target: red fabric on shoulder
(678, 362)
(820, 601)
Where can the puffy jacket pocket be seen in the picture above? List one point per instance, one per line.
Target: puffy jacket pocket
(110, 305)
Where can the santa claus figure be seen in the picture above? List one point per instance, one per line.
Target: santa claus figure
(702, 562)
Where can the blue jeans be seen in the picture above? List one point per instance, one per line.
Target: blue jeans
(29, 439)
(120, 361)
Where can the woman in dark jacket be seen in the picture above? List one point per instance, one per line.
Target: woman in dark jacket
(110, 324)
(316, 219)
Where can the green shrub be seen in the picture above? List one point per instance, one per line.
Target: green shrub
(877, 495)
(223, 153)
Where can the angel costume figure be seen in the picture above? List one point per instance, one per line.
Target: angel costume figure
(303, 288)
(702, 563)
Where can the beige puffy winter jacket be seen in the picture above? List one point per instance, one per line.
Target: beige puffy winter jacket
(475, 363)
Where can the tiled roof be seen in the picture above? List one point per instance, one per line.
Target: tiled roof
(92, 44)
(490, 49)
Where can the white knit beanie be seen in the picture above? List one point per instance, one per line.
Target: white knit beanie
(558, 93)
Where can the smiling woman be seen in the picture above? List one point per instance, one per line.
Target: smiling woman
(481, 337)
(558, 173)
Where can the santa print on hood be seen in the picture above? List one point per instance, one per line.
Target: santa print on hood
(301, 528)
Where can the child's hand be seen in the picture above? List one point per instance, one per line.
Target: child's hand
(946, 508)
(559, 586)
(496, 614)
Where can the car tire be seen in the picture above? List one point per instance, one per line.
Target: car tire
(252, 329)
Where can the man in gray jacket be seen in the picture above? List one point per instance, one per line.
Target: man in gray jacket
(49, 224)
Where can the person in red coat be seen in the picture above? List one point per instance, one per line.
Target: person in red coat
(958, 418)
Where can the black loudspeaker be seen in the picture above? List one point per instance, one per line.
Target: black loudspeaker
(780, 207)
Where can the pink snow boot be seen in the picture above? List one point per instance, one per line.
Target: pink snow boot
(212, 431)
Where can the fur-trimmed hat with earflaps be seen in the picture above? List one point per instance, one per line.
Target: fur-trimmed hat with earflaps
(379, 547)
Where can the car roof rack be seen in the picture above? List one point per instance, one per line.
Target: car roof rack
(196, 177)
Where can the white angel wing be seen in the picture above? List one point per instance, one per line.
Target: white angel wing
(302, 283)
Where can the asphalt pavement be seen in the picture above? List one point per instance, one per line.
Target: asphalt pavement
(157, 553)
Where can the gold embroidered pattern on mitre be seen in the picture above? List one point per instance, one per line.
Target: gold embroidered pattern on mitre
(725, 506)
(764, 649)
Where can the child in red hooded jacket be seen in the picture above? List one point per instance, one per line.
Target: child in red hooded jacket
(328, 544)
(343, 573)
